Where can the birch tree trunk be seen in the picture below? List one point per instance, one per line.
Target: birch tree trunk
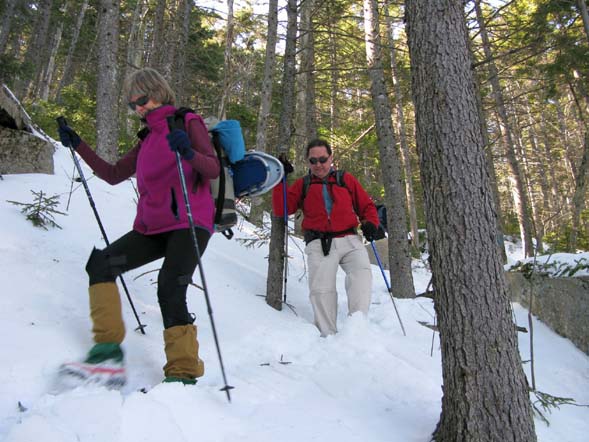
(485, 393)
(399, 256)
(520, 197)
(276, 259)
(107, 128)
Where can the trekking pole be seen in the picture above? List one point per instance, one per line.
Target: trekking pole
(61, 122)
(173, 124)
(386, 281)
(285, 237)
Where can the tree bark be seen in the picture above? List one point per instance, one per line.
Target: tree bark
(402, 131)
(485, 393)
(5, 23)
(399, 256)
(306, 121)
(36, 48)
(520, 197)
(227, 75)
(582, 4)
(107, 128)
(256, 212)
(158, 46)
(579, 196)
(67, 75)
(276, 259)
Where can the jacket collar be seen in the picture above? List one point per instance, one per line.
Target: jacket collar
(158, 115)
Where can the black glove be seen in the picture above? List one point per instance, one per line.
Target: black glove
(69, 137)
(369, 230)
(179, 142)
(288, 168)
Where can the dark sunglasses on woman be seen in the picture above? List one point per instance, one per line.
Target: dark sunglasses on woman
(321, 160)
(141, 101)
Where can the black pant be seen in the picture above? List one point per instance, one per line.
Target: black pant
(133, 250)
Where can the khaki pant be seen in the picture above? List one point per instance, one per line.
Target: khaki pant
(349, 253)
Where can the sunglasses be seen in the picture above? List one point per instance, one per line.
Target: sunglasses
(141, 101)
(321, 160)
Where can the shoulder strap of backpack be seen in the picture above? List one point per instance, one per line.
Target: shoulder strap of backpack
(339, 180)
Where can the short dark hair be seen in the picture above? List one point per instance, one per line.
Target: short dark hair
(318, 142)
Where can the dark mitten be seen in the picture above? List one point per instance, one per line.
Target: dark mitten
(179, 142)
(288, 167)
(69, 137)
(369, 230)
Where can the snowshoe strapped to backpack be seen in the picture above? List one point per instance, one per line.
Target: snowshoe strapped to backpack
(242, 173)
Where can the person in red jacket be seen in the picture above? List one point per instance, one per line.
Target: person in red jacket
(332, 212)
(161, 229)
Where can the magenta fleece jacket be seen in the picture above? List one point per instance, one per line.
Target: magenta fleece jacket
(161, 206)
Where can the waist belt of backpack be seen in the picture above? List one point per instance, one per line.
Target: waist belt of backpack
(326, 237)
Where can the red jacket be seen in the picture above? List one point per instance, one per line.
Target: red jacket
(350, 203)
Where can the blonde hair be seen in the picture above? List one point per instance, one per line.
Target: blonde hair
(148, 81)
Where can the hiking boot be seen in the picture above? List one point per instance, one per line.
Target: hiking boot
(104, 366)
(185, 381)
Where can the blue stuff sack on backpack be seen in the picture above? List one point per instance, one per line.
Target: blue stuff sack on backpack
(231, 138)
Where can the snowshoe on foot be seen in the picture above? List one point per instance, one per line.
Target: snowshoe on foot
(103, 367)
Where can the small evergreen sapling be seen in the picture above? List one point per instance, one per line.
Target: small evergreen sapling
(42, 210)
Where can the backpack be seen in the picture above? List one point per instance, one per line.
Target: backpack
(242, 173)
(339, 180)
(229, 147)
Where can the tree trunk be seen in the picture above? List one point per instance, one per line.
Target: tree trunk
(7, 17)
(579, 197)
(222, 113)
(520, 197)
(158, 46)
(306, 121)
(276, 259)
(582, 4)
(256, 212)
(183, 30)
(36, 48)
(402, 131)
(107, 128)
(485, 393)
(47, 74)
(399, 256)
(67, 75)
(334, 77)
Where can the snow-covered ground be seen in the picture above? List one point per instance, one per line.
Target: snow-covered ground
(367, 383)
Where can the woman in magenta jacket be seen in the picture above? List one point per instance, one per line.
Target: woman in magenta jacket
(332, 212)
(160, 230)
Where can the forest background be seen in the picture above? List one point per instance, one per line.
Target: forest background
(530, 59)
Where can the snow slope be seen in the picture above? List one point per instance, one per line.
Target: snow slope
(367, 383)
